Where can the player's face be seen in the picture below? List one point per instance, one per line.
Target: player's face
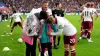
(93, 6)
(60, 6)
(44, 6)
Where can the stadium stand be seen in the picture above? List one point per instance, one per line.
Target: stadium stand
(68, 5)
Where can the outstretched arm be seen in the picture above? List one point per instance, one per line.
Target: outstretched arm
(81, 17)
(59, 32)
(96, 15)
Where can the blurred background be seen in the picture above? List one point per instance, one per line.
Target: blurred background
(27, 5)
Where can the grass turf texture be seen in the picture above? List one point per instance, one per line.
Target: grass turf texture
(83, 48)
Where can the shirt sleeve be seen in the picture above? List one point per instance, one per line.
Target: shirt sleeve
(12, 15)
(57, 33)
(60, 29)
(49, 11)
(95, 10)
(32, 11)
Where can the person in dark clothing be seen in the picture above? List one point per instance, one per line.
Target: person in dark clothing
(57, 12)
(0, 16)
(31, 49)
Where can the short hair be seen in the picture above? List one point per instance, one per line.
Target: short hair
(88, 5)
(43, 15)
(44, 2)
(57, 4)
(92, 5)
(48, 21)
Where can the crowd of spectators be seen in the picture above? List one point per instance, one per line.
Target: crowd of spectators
(68, 5)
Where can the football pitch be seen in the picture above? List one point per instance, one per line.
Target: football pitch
(83, 48)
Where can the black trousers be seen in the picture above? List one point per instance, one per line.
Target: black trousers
(48, 46)
(31, 49)
(4, 17)
(54, 39)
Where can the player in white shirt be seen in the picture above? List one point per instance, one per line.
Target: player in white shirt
(64, 26)
(94, 11)
(87, 17)
(82, 21)
(44, 8)
(17, 21)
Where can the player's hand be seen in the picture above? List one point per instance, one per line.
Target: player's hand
(48, 33)
(93, 20)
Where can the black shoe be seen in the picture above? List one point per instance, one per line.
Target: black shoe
(55, 47)
(58, 46)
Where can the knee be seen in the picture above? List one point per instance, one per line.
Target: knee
(72, 48)
(66, 49)
(89, 31)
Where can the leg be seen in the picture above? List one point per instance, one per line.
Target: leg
(58, 40)
(28, 49)
(55, 47)
(72, 45)
(43, 46)
(82, 34)
(86, 32)
(66, 51)
(85, 25)
(88, 36)
(82, 30)
(15, 24)
(90, 26)
(6, 17)
(2, 17)
(20, 24)
(33, 49)
(73, 52)
(66, 46)
(49, 49)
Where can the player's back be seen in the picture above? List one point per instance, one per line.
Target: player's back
(87, 16)
(68, 28)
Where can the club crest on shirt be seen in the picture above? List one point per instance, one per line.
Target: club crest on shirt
(60, 26)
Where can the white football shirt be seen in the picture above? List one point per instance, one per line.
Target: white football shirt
(64, 26)
(33, 11)
(87, 16)
(16, 17)
(93, 11)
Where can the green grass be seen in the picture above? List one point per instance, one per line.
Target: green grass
(83, 48)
